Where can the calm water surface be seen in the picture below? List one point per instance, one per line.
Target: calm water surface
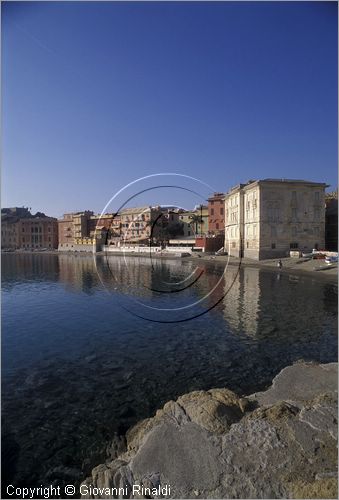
(79, 363)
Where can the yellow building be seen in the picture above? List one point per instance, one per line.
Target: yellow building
(195, 222)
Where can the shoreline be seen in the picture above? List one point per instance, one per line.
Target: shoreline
(291, 266)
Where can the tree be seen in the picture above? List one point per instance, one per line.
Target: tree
(196, 219)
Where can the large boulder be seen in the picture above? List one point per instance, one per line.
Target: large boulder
(280, 443)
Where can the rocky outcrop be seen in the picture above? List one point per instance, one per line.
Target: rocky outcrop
(280, 443)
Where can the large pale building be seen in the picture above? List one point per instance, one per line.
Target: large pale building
(267, 218)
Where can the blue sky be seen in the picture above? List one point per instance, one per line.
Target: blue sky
(96, 95)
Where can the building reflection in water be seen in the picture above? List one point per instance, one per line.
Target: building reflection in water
(77, 273)
(29, 266)
(242, 299)
(139, 276)
(257, 302)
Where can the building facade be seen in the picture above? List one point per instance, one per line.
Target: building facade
(268, 218)
(140, 224)
(105, 226)
(73, 229)
(195, 222)
(9, 234)
(216, 213)
(22, 230)
(38, 232)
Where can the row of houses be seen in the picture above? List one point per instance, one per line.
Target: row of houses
(258, 219)
(139, 225)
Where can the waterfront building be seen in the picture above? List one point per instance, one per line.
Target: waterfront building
(22, 230)
(268, 218)
(216, 213)
(73, 228)
(9, 232)
(105, 227)
(140, 224)
(38, 232)
(85, 232)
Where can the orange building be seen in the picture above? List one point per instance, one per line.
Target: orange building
(21, 229)
(38, 232)
(216, 216)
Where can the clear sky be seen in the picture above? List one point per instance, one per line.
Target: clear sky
(95, 95)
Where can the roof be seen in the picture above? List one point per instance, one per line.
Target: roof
(38, 219)
(216, 196)
(249, 183)
(145, 208)
(293, 181)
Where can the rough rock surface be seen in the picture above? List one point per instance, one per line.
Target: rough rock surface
(280, 443)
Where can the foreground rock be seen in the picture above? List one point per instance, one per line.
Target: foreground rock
(280, 443)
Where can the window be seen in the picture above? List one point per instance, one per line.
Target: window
(23, 229)
(294, 213)
(49, 229)
(233, 244)
(212, 202)
(273, 246)
(221, 210)
(293, 245)
(217, 225)
(23, 240)
(212, 211)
